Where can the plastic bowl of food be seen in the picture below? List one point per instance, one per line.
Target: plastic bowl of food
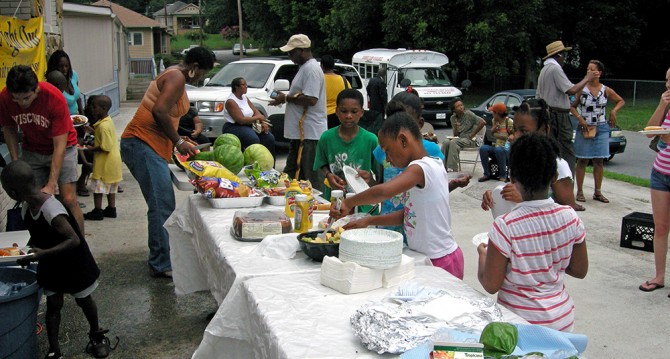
(318, 250)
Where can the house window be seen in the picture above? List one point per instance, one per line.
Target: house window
(135, 39)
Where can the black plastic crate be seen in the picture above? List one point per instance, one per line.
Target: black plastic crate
(637, 231)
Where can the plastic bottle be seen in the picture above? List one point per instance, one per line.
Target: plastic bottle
(291, 191)
(335, 196)
(302, 215)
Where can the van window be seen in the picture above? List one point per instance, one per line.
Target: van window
(425, 77)
(351, 76)
(286, 72)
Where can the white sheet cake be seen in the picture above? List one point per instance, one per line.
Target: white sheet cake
(371, 247)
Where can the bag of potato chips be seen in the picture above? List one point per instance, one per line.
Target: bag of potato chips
(210, 169)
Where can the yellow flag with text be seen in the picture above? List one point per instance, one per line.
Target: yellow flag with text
(22, 43)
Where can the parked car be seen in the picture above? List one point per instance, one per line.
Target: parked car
(513, 98)
(236, 49)
(263, 75)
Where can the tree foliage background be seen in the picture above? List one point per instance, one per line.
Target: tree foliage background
(490, 37)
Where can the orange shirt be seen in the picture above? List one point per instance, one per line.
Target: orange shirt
(144, 127)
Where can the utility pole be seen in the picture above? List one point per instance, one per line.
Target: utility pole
(239, 15)
(200, 21)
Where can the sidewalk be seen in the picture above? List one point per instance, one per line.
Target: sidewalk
(620, 320)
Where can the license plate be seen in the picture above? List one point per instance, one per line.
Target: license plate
(441, 116)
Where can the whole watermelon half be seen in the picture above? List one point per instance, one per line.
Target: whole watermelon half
(261, 154)
(230, 157)
(228, 139)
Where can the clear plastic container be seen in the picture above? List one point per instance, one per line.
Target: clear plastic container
(254, 225)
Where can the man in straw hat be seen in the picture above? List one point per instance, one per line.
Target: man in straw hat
(305, 117)
(554, 87)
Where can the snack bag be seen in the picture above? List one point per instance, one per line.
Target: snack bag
(211, 169)
(213, 187)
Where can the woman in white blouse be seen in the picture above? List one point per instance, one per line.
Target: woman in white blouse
(241, 118)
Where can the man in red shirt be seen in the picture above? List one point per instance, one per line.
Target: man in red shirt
(49, 138)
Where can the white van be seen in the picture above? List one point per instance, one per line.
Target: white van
(424, 71)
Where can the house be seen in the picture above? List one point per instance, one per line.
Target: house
(179, 17)
(97, 43)
(146, 38)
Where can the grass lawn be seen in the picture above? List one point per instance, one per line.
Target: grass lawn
(213, 42)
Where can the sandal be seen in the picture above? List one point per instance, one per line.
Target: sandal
(578, 207)
(601, 198)
(580, 197)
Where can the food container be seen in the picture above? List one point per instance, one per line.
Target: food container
(254, 225)
(237, 202)
(276, 200)
(317, 251)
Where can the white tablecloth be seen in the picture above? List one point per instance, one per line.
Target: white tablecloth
(205, 256)
(293, 316)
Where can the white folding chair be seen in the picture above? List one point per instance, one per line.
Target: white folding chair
(479, 140)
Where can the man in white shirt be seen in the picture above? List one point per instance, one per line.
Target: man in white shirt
(305, 118)
(554, 87)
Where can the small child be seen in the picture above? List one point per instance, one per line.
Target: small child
(347, 144)
(426, 215)
(65, 263)
(57, 79)
(536, 244)
(106, 173)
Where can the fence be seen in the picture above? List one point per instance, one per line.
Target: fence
(632, 91)
(142, 67)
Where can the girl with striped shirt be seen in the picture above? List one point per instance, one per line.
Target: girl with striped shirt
(660, 191)
(535, 245)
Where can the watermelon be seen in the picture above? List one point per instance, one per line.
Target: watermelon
(204, 156)
(228, 139)
(230, 157)
(261, 154)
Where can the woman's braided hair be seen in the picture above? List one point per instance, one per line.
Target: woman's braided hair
(532, 161)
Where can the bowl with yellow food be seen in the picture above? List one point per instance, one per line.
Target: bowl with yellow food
(317, 248)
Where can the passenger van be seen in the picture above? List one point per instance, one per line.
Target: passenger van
(422, 69)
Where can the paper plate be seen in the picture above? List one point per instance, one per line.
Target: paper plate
(356, 183)
(480, 238)
(82, 120)
(656, 132)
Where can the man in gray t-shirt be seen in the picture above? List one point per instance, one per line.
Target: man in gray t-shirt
(305, 118)
(465, 126)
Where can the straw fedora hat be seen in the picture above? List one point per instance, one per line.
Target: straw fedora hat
(554, 48)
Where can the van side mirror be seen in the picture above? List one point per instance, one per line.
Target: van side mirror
(282, 85)
(466, 84)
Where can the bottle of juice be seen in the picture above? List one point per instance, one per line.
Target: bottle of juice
(291, 191)
(302, 220)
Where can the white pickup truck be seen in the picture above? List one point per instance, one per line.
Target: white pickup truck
(263, 76)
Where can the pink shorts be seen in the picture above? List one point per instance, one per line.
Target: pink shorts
(452, 263)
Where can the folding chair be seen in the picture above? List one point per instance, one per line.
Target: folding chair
(479, 139)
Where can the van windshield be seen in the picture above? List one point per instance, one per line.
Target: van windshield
(425, 77)
(256, 74)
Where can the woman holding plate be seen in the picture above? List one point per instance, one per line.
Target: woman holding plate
(592, 139)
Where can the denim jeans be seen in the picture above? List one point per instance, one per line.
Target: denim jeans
(153, 175)
(488, 151)
(248, 136)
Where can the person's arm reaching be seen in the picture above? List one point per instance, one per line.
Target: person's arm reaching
(60, 142)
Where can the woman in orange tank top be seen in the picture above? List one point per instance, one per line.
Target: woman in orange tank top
(148, 141)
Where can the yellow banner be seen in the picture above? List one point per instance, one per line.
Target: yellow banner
(22, 43)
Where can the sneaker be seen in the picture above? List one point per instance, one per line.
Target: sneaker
(95, 215)
(54, 355)
(109, 212)
(99, 345)
(157, 274)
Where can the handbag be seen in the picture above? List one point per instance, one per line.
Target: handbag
(589, 132)
(14, 219)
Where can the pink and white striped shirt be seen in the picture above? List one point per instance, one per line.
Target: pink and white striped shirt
(662, 162)
(537, 237)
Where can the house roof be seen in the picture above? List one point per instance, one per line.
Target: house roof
(129, 18)
(172, 8)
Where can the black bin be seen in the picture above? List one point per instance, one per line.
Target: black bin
(637, 231)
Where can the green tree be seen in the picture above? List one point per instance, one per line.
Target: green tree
(219, 14)
(352, 25)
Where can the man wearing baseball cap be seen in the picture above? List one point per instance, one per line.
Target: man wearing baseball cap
(501, 129)
(554, 87)
(305, 117)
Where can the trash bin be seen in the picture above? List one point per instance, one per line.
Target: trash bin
(18, 313)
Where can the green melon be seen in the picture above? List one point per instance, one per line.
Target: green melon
(261, 154)
(230, 157)
(228, 139)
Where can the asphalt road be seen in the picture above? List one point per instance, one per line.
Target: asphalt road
(636, 160)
